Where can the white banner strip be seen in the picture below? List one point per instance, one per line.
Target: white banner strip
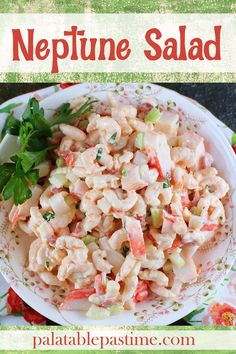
(151, 43)
(117, 340)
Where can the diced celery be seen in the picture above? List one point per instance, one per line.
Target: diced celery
(89, 239)
(157, 217)
(59, 162)
(176, 259)
(58, 181)
(153, 115)
(97, 313)
(116, 309)
(139, 141)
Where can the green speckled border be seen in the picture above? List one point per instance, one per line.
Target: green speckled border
(118, 6)
(115, 6)
(118, 77)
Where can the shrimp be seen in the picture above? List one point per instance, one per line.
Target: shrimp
(38, 225)
(183, 156)
(109, 297)
(156, 195)
(215, 185)
(182, 179)
(120, 204)
(100, 262)
(155, 276)
(70, 243)
(49, 257)
(106, 126)
(91, 221)
(83, 275)
(160, 290)
(72, 132)
(155, 258)
(211, 209)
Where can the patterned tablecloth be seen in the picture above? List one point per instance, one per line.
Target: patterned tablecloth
(219, 309)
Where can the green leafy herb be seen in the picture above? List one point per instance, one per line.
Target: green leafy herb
(65, 114)
(166, 184)
(33, 176)
(124, 172)
(49, 215)
(33, 131)
(17, 186)
(6, 171)
(10, 107)
(32, 158)
(99, 154)
(112, 139)
(11, 126)
(125, 251)
(47, 264)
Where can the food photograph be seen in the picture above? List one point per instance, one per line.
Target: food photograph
(117, 204)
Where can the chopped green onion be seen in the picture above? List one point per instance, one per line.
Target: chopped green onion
(49, 215)
(97, 313)
(139, 141)
(166, 184)
(112, 139)
(153, 115)
(125, 251)
(59, 162)
(47, 264)
(124, 172)
(99, 154)
(157, 217)
(233, 139)
(89, 239)
(176, 259)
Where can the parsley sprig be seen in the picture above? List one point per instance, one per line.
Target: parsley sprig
(33, 131)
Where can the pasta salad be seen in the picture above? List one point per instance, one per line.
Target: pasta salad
(117, 205)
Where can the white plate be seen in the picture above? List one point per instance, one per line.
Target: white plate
(221, 251)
